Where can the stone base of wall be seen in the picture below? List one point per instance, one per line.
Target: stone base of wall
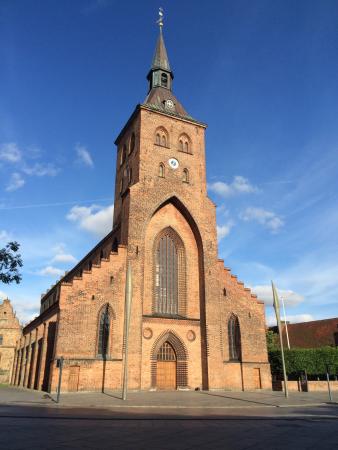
(312, 386)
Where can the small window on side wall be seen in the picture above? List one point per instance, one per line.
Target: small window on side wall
(132, 143)
(185, 176)
(123, 154)
(161, 171)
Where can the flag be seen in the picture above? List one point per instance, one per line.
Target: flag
(276, 305)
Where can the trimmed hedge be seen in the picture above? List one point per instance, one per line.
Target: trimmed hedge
(313, 360)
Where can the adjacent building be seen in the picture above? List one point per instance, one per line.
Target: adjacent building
(10, 332)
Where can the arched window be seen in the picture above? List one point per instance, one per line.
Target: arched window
(162, 137)
(103, 336)
(132, 143)
(184, 143)
(186, 176)
(169, 274)
(161, 172)
(164, 79)
(123, 154)
(234, 337)
(166, 352)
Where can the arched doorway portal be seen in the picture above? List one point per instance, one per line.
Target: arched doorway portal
(166, 367)
(168, 348)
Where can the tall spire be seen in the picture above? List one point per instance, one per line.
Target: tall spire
(160, 74)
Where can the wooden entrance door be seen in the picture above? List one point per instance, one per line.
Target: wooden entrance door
(257, 378)
(73, 380)
(166, 368)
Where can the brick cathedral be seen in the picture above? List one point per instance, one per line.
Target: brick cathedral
(192, 323)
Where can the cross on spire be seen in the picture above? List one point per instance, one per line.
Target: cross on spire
(160, 18)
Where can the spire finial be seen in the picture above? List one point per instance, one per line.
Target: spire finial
(160, 18)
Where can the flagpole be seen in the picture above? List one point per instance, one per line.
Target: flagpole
(277, 311)
(286, 324)
(128, 299)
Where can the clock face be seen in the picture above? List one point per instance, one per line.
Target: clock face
(169, 104)
(173, 163)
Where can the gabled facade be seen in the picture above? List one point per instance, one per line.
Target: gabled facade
(193, 324)
(10, 332)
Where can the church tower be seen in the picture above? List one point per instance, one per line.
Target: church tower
(192, 323)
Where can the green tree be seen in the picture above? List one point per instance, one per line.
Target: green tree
(10, 262)
(272, 341)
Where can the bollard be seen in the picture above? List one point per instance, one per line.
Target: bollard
(59, 364)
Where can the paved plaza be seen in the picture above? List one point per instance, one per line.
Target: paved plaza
(167, 420)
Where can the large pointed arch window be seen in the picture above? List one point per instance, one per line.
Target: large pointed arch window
(169, 274)
(104, 328)
(234, 338)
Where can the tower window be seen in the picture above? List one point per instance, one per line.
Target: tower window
(184, 143)
(234, 338)
(164, 80)
(132, 143)
(161, 171)
(186, 176)
(162, 137)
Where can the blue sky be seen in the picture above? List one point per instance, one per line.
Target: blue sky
(262, 74)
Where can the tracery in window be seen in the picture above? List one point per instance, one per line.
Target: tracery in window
(169, 274)
(162, 137)
(103, 335)
(184, 143)
(234, 338)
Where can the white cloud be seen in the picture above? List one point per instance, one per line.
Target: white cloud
(41, 170)
(9, 152)
(83, 156)
(296, 318)
(268, 219)
(4, 236)
(264, 293)
(3, 295)
(15, 182)
(50, 271)
(63, 258)
(95, 219)
(239, 185)
(224, 230)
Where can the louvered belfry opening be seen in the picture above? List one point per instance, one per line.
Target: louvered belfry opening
(169, 274)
